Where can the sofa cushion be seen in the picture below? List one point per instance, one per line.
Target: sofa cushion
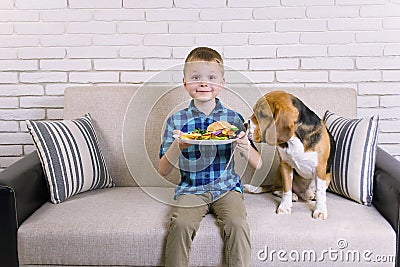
(125, 226)
(354, 161)
(71, 157)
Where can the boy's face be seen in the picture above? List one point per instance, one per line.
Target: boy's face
(203, 80)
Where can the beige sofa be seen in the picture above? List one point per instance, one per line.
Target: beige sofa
(127, 225)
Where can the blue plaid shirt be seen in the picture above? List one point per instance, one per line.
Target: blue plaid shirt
(204, 168)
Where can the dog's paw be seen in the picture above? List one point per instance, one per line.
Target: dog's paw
(248, 188)
(320, 213)
(277, 193)
(284, 208)
(307, 195)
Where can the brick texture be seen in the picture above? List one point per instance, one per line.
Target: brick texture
(48, 45)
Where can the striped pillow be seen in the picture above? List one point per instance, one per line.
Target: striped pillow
(354, 162)
(71, 157)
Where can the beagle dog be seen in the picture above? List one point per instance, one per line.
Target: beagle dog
(304, 145)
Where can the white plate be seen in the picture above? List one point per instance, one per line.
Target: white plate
(205, 142)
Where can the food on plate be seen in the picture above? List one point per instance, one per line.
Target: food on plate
(219, 130)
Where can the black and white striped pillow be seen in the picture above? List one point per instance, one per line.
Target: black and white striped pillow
(354, 163)
(71, 157)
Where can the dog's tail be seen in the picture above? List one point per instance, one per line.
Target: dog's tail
(248, 188)
(332, 153)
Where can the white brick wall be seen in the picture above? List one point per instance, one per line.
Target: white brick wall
(48, 45)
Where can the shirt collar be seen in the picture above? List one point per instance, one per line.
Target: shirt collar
(218, 108)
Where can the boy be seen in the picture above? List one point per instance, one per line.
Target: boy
(208, 180)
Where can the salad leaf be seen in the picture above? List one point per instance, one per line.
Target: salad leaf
(200, 131)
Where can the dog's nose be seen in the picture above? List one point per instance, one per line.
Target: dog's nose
(249, 129)
(246, 124)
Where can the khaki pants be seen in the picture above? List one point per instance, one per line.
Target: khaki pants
(185, 221)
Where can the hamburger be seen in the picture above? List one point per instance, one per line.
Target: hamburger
(222, 128)
(218, 125)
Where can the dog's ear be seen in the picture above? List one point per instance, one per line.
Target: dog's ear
(284, 124)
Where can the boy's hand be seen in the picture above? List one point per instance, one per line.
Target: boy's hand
(246, 150)
(182, 145)
(243, 143)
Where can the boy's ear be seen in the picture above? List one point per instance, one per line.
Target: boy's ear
(184, 84)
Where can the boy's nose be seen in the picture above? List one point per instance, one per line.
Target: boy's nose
(203, 84)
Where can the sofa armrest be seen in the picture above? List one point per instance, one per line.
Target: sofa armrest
(23, 190)
(387, 192)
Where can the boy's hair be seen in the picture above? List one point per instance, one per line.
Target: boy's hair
(204, 54)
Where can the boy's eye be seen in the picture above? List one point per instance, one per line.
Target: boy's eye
(212, 77)
(195, 77)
